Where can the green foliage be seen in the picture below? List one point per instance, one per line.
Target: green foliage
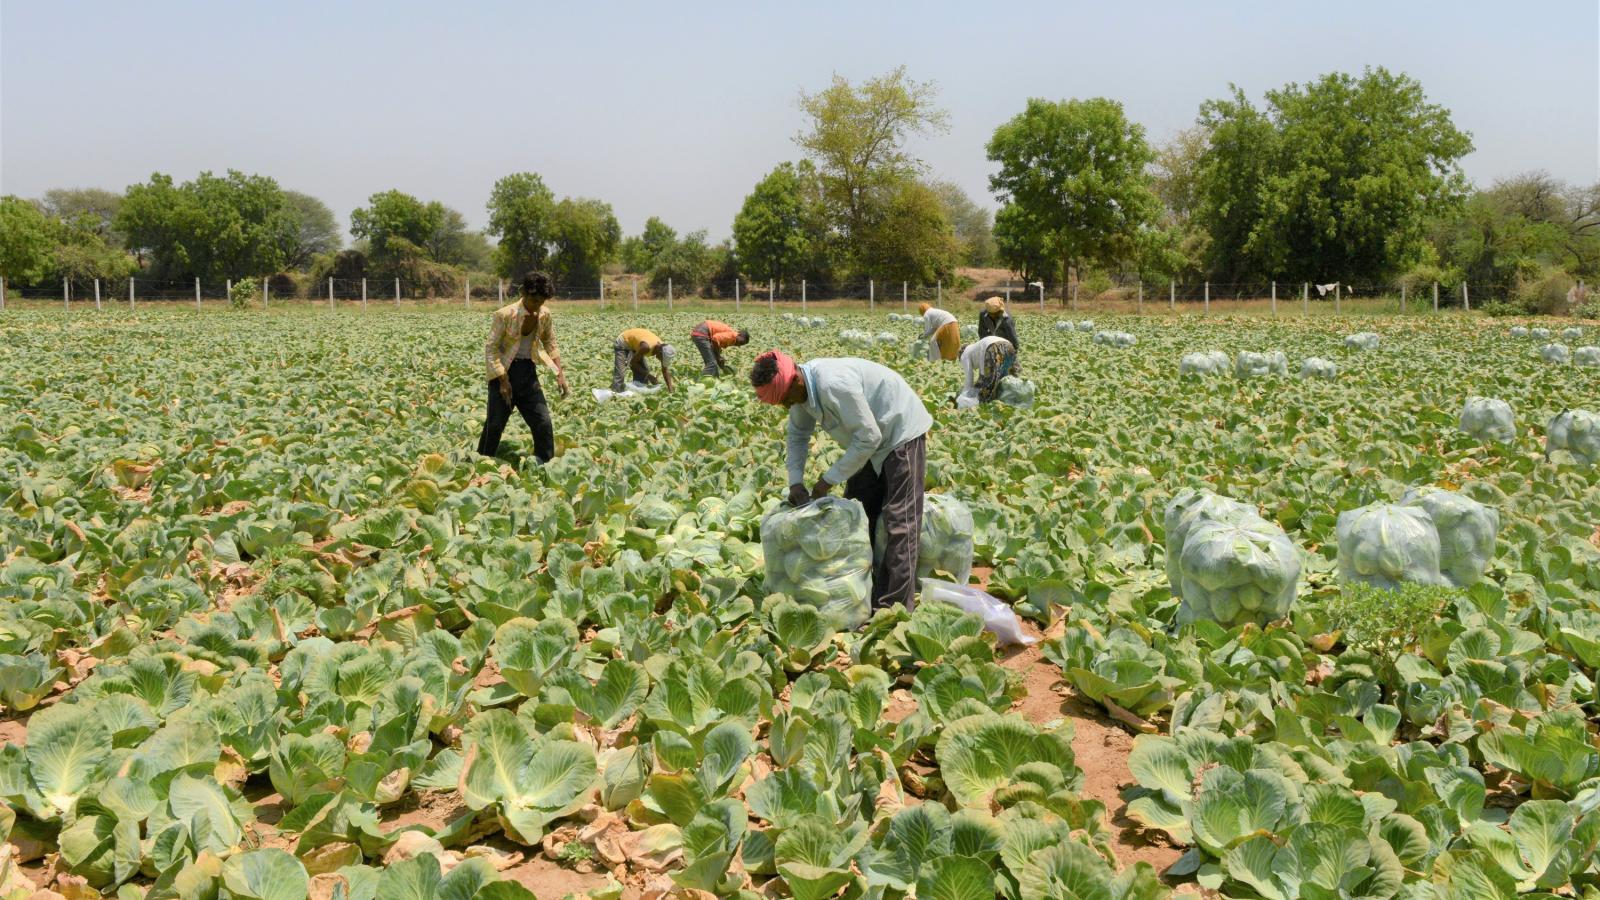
(775, 232)
(316, 231)
(1076, 172)
(521, 217)
(408, 238)
(1334, 179)
(245, 291)
(972, 225)
(907, 236)
(25, 240)
(212, 227)
(584, 236)
(642, 251)
(1384, 621)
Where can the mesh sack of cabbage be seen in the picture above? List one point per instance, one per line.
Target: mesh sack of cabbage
(819, 555)
(946, 539)
(1016, 391)
(1572, 333)
(1256, 365)
(1587, 356)
(1554, 353)
(1361, 340)
(918, 348)
(1518, 331)
(1208, 362)
(1489, 420)
(1086, 325)
(1539, 334)
(1316, 367)
(1466, 529)
(1575, 434)
(1114, 339)
(1227, 563)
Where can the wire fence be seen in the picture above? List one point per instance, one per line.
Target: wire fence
(870, 295)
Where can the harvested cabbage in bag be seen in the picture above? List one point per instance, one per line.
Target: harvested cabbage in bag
(969, 333)
(1554, 353)
(1489, 420)
(1208, 362)
(1255, 365)
(1237, 572)
(1184, 512)
(1518, 331)
(1015, 391)
(819, 555)
(1572, 333)
(1539, 334)
(1466, 530)
(1362, 340)
(886, 337)
(1086, 325)
(1385, 544)
(1316, 367)
(1576, 432)
(918, 348)
(946, 544)
(1586, 356)
(1115, 338)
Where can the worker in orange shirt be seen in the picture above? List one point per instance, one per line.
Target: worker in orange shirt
(711, 338)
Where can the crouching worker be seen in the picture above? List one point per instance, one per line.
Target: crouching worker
(983, 363)
(882, 425)
(711, 338)
(629, 353)
(942, 332)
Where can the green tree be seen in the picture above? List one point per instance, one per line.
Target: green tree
(971, 223)
(1020, 245)
(771, 230)
(395, 224)
(316, 230)
(689, 262)
(1334, 179)
(1077, 171)
(908, 237)
(521, 216)
(25, 240)
(214, 227)
(641, 251)
(585, 235)
(857, 137)
(93, 209)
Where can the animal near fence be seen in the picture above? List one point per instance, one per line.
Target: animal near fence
(1139, 297)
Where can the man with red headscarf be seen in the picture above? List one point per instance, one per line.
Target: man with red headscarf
(882, 425)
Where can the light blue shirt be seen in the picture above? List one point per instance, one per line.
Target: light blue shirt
(869, 409)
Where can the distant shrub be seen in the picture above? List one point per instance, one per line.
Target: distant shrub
(1544, 293)
(244, 293)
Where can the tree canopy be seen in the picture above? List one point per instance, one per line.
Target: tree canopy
(25, 240)
(521, 216)
(775, 230)
(213, 227)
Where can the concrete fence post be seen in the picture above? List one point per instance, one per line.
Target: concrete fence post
(228, 290)
(397, 293)
(266, 292)
(1436, 296)
(1274, 299)
(1172, 295)
(1141, 296)
(363, 294)
(872, 295)
(1207, 309)
(466, 292)
(802, 295)
(500, 291)
(669, 294)
(196, 292)
(905, 298)
(97, 293)
(1305, 298)
(735, 295)
(1466, 302)
(602, 292)
(66, 294)
(330, 293)
(1338, 288)
(938, 293)
(2, 292)
(1402, 297)
(771, 295)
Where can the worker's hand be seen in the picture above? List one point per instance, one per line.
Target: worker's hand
(798, 495)
(561, 384)
(822, 489)
(505, 389)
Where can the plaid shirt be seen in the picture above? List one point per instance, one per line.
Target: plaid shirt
(505, 334)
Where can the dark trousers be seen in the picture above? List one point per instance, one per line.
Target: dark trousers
(895, 496)
(708, 354)
(623, 363)
(528, 398)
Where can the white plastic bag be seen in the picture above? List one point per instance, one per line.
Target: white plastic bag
(998, 617)
(967, 399)
(1317, 367)
(1587, 356)
(1206, 362)
(1489, 420)
(1554, 353)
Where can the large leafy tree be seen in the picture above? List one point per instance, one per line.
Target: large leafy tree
(316, 230)
(401, 231)
(25, 240)
(908, 237)
(857, 137)
(773, 231)
(1020, 245)
(1333, 179)
(971, 223)
(641, 252)
(90, 209)
(1519, 227)
(214, 227)
(1077, 171)
(584, 235)
(521, 217)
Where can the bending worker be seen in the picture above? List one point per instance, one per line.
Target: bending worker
(994, 320)
(629, 353)
(983, 363)
(882, 425)
(942, 332)
(711, 338)
(522, 336)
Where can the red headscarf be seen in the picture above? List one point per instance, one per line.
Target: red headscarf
(775, 390)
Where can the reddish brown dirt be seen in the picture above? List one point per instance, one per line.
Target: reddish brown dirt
(901, 705)
(435, 809)
(547, 879)
(1100, 745)
(14, 731)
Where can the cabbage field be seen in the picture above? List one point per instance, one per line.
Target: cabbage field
(270, 630)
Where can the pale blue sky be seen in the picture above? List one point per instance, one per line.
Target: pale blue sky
(676, 109)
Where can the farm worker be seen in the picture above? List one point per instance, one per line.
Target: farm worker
(941, 330)
(882, 425)
(628, 355)
(983, 363)
(711, 338)
(521, 337)
(994, 320)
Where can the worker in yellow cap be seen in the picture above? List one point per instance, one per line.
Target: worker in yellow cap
(994, 321)
(942, 332)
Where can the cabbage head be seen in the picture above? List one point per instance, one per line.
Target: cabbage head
(1572, 333)
(1466, 529)
(1385, 544)
(819, 555)
(1489, 420)
(1317, 367)
(1256, 365)
(1575, 432)
(1120, 339)
(1539, 334)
